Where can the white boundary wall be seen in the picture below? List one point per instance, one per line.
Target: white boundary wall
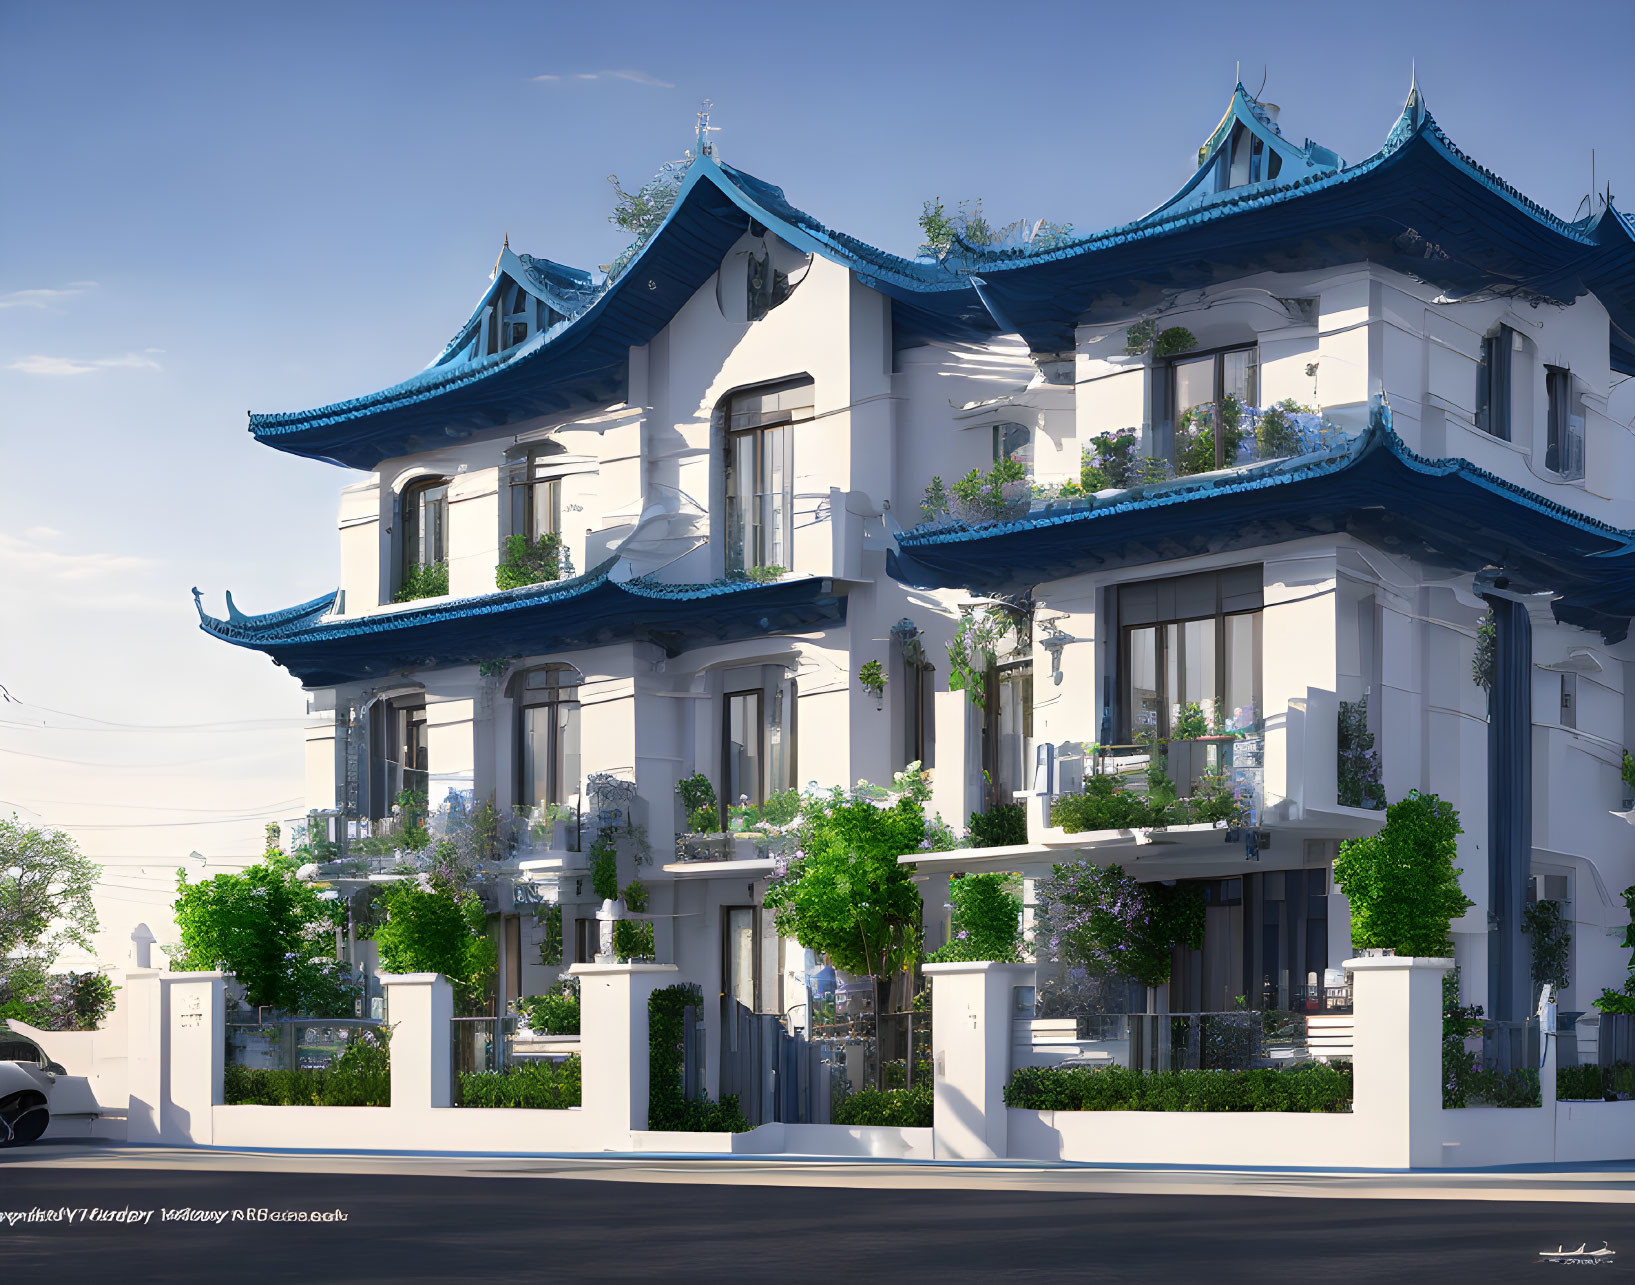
(174, 1042)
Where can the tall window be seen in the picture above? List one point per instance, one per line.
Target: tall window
(758, 742)
(744, 749)
(536, 497)
(1201, 381)
(1013, 442)
(397, 753)
(1493, 383)
(760, 473)
(548, 736)
(425, 524)
(919, 738)
(1190, 640)
(1007, 729)
(1564, 447)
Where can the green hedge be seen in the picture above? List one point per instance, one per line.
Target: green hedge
(667, 1107)
(1310, 1086)
(541, 1086)
(244, 1086)
(903, 1108)
(1605, 1083)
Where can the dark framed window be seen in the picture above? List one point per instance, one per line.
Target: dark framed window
(760, 473)
(1493, 383)
(758, 736)
(548, 764)
(1202, 379)
(536, 496)
(1013, 442)
(1190, 640)
(398, 761)
(1007, 729)
(919, 735)
(513, 316)
(743, 748)
(740, 956)
(766, 286)
(425, 524)
(1564, 445)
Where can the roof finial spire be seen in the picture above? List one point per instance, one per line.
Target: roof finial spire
(507, 241)
(705, 129)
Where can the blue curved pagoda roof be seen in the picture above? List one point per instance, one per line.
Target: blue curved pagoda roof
(591, 610)
(1446, 513)
(583, 360)
(1419, 204)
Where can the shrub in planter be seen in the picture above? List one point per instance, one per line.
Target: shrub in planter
(1307, 1087)
(556, 1013)
(1402, 883)
(360, 1077)
(899, 1108)
(986, 923)
(1001, 825)
(541, 1086)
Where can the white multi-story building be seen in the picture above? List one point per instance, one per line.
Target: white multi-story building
(730, 439)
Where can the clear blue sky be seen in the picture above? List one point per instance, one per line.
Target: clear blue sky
(207, 208)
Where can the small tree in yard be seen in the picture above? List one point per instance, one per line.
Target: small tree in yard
(46, 908)
(271, 931)
(435, 925)
(844, 894)
(1402, 884)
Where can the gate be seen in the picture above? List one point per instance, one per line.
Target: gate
(776, 1076)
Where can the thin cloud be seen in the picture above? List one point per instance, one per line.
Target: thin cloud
(40, 365)
(626, 73)
(45, 297)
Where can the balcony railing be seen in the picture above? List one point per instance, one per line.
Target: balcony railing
(1215, 778)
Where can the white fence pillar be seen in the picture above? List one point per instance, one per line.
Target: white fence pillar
(1397, 1058)
(175, 1054)
(420, 1006)
(972, 1006)
(613, 1034)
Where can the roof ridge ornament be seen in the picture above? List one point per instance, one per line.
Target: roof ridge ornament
(705, 129)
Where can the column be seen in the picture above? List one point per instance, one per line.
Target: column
(1397, 1063)
(972, 1005)
(194, 1005)
(613, 1033)
(420, 1006)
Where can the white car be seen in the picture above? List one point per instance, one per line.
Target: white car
(26, 1079)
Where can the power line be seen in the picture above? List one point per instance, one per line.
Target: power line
(149, 727)
(150, 769)
(153, 807)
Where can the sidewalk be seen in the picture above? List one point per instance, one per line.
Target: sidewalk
(1597, 1184)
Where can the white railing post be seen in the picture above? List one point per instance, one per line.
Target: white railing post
(972, 1009)
(421, 1007)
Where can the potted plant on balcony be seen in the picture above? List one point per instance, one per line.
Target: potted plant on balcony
(873, 680)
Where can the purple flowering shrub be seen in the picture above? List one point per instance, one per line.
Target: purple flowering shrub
(56, 1001)
(1102, 920)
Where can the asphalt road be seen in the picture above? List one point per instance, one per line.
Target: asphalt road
(446, 1227)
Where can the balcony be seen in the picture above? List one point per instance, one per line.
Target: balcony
(1212, 781)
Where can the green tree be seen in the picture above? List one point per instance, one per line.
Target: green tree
(433, 925)
(845, 895)
(1402, 884)
(271, 931)
(45, 895)
(986, 921)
